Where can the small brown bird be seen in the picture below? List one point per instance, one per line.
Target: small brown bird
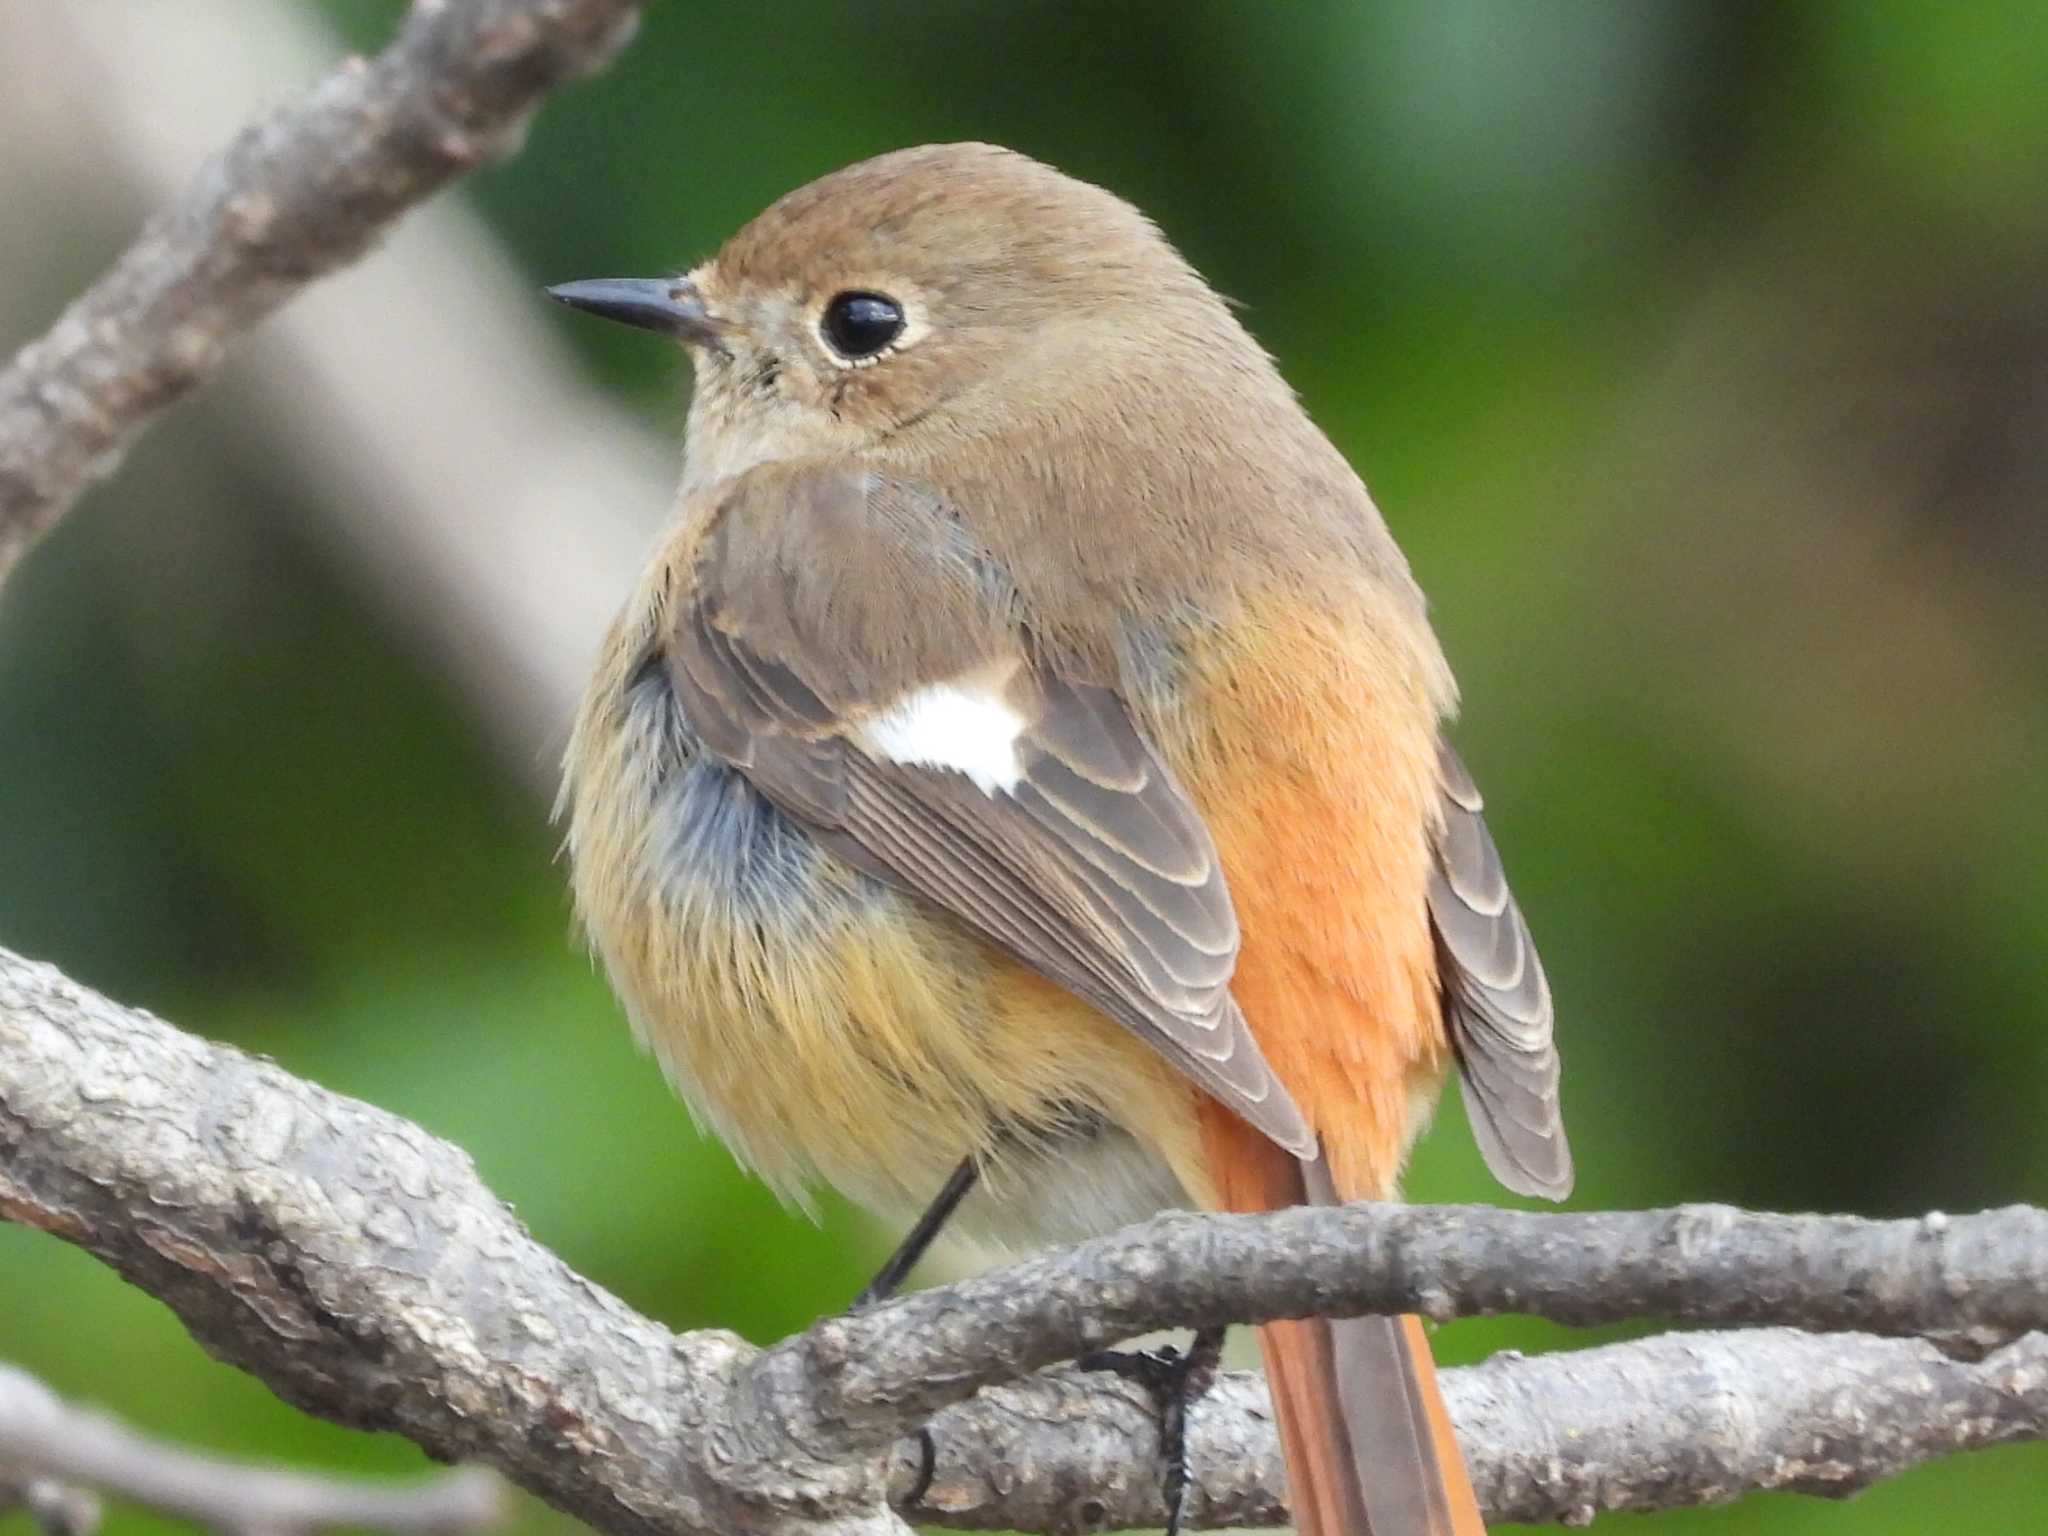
(1018, 777)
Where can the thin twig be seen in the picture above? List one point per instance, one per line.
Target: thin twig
(295, 195)
(63, 1447)
(360, 1268)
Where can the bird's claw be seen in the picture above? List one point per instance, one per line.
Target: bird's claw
(1176, 1380)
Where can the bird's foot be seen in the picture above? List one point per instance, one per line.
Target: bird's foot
(1176, 1379)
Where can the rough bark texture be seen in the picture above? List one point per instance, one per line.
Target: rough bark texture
(1665, 1423)
(1970, 1282)
(295, 195)
(360, 1268)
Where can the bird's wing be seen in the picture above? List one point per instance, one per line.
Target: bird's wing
(840, 642)
(1496, 1001)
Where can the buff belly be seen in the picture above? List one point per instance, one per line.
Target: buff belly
(829, 1027)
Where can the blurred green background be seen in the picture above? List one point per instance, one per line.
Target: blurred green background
(1697, 352)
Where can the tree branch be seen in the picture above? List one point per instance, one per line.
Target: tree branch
(295, 195)
(1969, 1282)
(44, 1442)
(1665, 1423)
(360, 1268)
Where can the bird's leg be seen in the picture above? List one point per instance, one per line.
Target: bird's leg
(1176, 1381)
(900, 1263)
(919, 1237)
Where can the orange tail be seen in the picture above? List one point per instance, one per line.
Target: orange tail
(1368, 1444)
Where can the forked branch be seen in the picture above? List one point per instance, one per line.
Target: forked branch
(359, 1267)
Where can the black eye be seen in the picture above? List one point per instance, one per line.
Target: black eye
(861, 324)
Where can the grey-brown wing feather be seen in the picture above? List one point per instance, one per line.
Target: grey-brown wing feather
(1496, 1000)
(1094, 868)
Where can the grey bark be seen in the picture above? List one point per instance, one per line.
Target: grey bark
(296, 194)
(56, 1458)
(1664, 1423)
(360, 1268)
(1969, 1282)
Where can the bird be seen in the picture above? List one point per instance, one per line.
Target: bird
(1016, 790)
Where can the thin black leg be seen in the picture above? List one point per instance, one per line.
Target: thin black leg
(919, 1238)
(1176, 1382)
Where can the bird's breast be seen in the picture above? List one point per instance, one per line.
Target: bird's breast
(825, 1024)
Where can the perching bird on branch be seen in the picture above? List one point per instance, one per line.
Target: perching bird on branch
(1018, 776)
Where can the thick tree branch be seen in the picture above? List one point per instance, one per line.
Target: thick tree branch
(359, 1267)
(45, 1443)
(298, 193)
(1670, 1422)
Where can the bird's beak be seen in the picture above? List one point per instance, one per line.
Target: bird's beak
(670, 305)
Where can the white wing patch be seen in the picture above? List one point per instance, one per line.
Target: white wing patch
(965, 726)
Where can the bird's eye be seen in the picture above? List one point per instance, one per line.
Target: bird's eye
(859, 325)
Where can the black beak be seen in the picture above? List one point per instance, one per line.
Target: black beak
(669, 305)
